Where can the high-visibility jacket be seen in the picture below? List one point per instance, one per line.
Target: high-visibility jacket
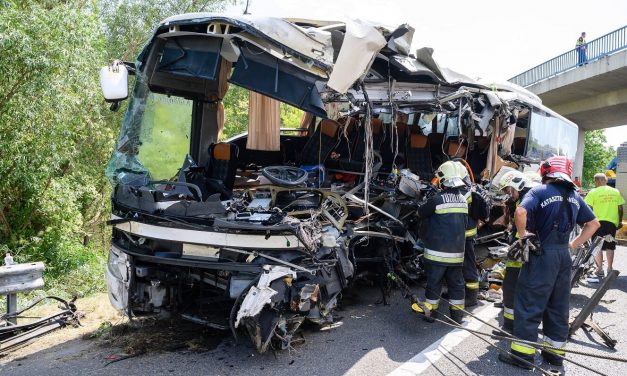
(471, 224)
(445, 216)
(580, 42)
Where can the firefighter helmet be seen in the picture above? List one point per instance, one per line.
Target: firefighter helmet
(448, 175)
(463, 173)
(514, 179)
(558, 167)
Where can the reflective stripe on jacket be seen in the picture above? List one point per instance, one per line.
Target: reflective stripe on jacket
(471, 226)
(443, 227)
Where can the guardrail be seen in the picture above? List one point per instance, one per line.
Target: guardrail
(19, 278)
(599, 48)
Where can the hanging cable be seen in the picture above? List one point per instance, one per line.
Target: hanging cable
(394, 140)
(368, 150)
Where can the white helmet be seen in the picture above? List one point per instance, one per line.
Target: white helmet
(533, 177)
(463, 173)
(448, 175)
(514, 179)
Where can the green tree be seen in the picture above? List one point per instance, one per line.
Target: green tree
(54, 137)
(127, 24)
(597, 154)
(290, 116)
(56, 133)
(235, 112)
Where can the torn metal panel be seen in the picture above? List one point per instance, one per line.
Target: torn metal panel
(400, 39)
(486, 116)
(118, 278)
(425, 56)
(403, 93)
(313, 45)
(361, 44)
(501, 88)
(216, 239)
(307, 296)
(260, 295)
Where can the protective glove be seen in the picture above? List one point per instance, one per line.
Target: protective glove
(519, 251)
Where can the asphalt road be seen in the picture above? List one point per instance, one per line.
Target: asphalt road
(368, 339)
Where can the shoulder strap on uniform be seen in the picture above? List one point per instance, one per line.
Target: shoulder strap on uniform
(565, 206)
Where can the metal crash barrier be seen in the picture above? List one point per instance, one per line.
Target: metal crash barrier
(18, 278)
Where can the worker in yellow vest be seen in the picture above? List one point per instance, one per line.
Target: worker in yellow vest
(607, 204)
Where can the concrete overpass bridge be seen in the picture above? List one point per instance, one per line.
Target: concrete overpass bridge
(592, 95)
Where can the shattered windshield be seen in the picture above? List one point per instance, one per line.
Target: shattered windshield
(164, 135)
(154, 138)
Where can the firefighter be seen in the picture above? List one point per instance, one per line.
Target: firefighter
(550, 211)
(443, 228)
(515, 184)
(478, 209)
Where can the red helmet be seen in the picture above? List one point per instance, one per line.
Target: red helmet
(558, 167)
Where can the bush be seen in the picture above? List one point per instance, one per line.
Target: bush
(55, 140)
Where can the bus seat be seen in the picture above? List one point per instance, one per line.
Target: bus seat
(321, 143)
(455, 149)
(222, 166)
(419, 156)
(435, 143)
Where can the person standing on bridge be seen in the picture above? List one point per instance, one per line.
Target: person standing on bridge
(607, 204)
(581, 49)
(551, 211)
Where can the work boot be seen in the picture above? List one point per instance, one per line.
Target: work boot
(429, 315)
(457, 316)
(508, 325)
(471, 297)
(552, 359)
(509, 359)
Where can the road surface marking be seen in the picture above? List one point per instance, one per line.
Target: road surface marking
(444, 345)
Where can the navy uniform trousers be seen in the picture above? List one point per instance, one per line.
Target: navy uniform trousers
(470, 271)
(542, 295)
(436, 274)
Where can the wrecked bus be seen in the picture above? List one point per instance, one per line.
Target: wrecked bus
(263, 231)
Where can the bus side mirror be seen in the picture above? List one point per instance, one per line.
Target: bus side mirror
(114, 83)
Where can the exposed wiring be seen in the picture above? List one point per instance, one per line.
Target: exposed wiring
(369, 148)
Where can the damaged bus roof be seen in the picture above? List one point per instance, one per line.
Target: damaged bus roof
(313, 55)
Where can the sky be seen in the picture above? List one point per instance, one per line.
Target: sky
(492, 39)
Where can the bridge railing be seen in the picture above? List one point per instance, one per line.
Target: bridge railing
(596, 49)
